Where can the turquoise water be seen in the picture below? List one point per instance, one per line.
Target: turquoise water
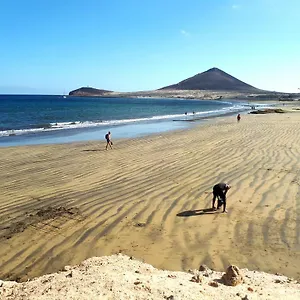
(38, 119)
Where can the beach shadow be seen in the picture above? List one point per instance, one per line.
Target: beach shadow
(197, 212)
(219, 280)
(93, 150)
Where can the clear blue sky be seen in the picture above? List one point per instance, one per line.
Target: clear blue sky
(52, 46)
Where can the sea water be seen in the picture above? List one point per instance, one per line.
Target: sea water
(46, 119)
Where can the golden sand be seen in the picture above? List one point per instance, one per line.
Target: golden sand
(147, 198)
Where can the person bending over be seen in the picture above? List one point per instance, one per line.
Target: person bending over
(219, 192)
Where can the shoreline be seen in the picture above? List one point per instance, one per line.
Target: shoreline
(91, 134)
(126, 130)
(129, 199)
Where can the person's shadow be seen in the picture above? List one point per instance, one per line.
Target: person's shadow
(197, 212)
(93, 150)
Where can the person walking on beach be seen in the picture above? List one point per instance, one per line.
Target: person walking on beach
(238, 117)
(108, 140)
(219, 192)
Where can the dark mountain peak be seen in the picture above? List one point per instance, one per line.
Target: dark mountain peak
(213, 79)
(214, 69)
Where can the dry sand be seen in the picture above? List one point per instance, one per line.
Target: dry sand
(186, 94)
(148, 198)
(205, 94)
(119, 277)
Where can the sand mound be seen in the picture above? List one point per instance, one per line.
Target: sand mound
(121, 277)
(32, 219)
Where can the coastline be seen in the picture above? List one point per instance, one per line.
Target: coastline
(130, 199)
(66, 132)
(95, 134)
(199, 95)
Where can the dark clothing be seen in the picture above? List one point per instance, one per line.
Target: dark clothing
(219, 192)
(220, 188)
(108, 141)
(221, 202)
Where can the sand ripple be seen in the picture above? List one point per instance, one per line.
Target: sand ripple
(150, 197)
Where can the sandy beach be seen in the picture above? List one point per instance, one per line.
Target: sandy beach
(150, 198)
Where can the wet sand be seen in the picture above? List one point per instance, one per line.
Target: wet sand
(150, 198)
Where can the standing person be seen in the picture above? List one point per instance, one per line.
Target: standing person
(108, 140)
(219, 192)
(238, 117)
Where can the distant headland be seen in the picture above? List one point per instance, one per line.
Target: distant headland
(211, 84)
(88, 91)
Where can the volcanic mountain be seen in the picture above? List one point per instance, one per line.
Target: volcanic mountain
(214, 80)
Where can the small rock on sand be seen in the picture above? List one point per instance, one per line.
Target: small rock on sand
(233, 276)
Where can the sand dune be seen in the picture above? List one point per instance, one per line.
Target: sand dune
(148, 198)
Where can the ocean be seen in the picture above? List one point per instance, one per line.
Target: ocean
(46, 119)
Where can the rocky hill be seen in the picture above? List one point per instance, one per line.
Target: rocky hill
(88, 91)
(214, 80)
